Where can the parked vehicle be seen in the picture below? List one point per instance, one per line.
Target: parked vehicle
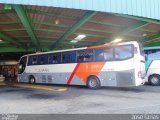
(152, 63)
(119, 64)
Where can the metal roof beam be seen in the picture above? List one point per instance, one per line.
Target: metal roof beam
(104, 23)
(139, 18)
(68, 17)
(88, 29)
(14, 49)
(60, 31)
(50, 14)
(151, 38)
(6, 11)
(9, 40)
(26, 23)
(61, 25)
(51, 24)
(82, 21)
(48, 30)
(73, 17)
(10, 23)
(124, 31)
(153, 44)
(13, 30)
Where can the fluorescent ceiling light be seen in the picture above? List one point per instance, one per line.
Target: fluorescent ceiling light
(144, 35)
(78, 38)
(57, 22)
(73, 41)
(117, 40)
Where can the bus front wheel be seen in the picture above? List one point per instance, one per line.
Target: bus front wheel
(32, 80)
(154, 80)
(93, 82)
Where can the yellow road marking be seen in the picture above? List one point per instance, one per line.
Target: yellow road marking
(40, 88)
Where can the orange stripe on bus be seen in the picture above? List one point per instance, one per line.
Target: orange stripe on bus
(72, 75)
(86, 69)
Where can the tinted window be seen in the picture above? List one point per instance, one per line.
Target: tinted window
(69, 57)
(153, 54)
(99, 55)
(123, 52)
(32, 60)
(43, 59)
(22, 65)
(85, 55)
(108, 54)
(55, 58)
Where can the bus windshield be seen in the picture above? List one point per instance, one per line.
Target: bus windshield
(22, 65)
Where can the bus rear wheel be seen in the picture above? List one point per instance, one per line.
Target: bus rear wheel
(93, 82)
(32, 80)
(154, 80)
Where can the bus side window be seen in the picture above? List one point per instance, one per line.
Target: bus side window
(99, 55)
(55, 58)
(123, 52)
(69, 57)
(153, 54)
(34, 60)
(85, 55)
(30, 60)
(42, 59)
(63, 58)
(108, 54)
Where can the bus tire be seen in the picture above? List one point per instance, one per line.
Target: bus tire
(93, 82)
(32, 80)
(154, 79)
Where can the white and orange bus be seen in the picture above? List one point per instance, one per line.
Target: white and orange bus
(118, 65)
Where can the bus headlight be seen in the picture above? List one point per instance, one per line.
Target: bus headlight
(19, 79)
(141, 74)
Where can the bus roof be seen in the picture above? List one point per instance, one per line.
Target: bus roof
(91, 47)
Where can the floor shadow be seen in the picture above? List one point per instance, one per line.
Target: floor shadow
(43, 96)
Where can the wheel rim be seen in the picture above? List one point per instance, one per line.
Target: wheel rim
(154, 80)
(93, 83)
(32, 80)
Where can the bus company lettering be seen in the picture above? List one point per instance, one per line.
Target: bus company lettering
(42, 70)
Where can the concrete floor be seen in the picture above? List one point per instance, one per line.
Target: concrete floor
(78, 99)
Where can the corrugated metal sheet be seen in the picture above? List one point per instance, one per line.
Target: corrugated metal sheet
(144, 8)
(101, 27)
(112, 19)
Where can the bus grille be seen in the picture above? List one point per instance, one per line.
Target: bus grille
(125, 79)
(49, 79)
(43, 78)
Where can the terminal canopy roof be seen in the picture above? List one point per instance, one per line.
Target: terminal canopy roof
(28, 28)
